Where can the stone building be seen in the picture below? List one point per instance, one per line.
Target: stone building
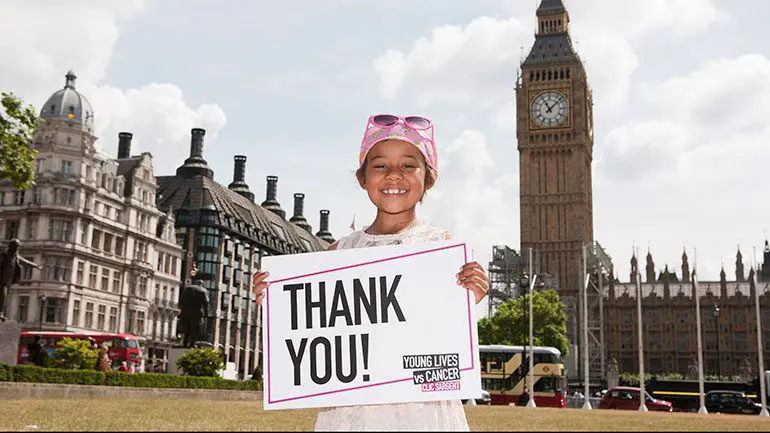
(226, 233)
(728, 320)
(91, 221)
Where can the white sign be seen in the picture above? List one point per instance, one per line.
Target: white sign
(368, 326)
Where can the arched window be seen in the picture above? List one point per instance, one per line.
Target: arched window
(568, 74)
(531, 76)
(549, 74)
(561, 74)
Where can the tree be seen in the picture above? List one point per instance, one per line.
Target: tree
(17, 157)
(74, 354)
(510, 324)
(201, 362)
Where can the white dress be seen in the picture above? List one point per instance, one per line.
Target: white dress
(435, 415)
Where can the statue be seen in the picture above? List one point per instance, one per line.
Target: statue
(10, 271)
(193, 306)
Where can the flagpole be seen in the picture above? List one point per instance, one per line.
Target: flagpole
(642, 393)
(696, 294)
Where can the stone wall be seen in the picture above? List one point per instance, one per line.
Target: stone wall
(21, 390)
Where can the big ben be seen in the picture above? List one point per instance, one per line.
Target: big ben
(555, 142)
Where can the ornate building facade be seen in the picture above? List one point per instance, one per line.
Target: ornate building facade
(555, 143)
(226, 233)
(92, 223)
(728, 320)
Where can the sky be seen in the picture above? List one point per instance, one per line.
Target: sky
(681, 104)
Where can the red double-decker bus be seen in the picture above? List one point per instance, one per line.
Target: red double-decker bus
(120, 347)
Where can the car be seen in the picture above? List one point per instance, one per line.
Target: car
(734, 402)
(627, 398)
(485, 398)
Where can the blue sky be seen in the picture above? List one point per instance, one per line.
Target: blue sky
(681, 94)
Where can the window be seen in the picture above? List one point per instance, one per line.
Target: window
(96, 239)
(76, 312)
(83, 232)
(140, 322)
(107, 242)
(80, 273)
(119, 246)
(32, 228)
(626, 341)
(36, 195)
(11, 229)
(682, 316)
(64, 196)
(54, 310)
(130, 321)
(116, 282)
(66, 167)
(93, 273)
(23, 311)
(118, 215)
(160, 261)
(113, 319)
(682, 342)
(105, 279)
(100, 317)
(60, 230)
(18, 198)
(89, 315)
(56, 268)
(741, 341)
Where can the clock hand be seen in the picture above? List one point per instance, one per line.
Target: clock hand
(548, 110)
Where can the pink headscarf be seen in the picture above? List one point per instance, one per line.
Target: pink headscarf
(421, 138)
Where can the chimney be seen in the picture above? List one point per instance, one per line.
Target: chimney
(323, 232)
(239, 184)
(124, 145)
(270, 202)
(195, 165)
(298, 218)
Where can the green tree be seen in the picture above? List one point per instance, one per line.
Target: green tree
(74, 354)
(17, 157)
(201, 362)
(510, 324)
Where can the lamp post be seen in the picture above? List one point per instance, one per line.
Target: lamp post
(586, 384)
(532, 278)
(716, 326)
(42, 299)
(760, 350)
(642, 392)
(696, 295)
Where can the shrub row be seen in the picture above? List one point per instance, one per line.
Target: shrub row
(29, 373)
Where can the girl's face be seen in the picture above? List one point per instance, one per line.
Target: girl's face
(394, 176)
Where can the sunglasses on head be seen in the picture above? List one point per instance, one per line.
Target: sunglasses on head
(390, 120)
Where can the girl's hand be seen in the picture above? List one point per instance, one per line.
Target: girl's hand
(473, 277)
(259, 285)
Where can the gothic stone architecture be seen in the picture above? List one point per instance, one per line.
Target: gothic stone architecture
(728, 320)
(111, 263)
(555, 142)
(226, 233)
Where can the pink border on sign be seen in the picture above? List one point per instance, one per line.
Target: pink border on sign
(267, 318)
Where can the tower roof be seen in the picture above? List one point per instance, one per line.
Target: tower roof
(550, 6)
(69, 105)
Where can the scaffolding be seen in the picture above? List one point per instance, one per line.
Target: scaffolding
(504, 277)
(598, 272)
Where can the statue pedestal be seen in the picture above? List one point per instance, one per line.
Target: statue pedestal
(173, 354)
(9, 342)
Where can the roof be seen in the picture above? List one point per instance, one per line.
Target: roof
(551, 48)
(549, 6)
(69, 105)
(192, 197)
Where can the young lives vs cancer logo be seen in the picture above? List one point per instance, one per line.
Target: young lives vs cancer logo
(434, 372)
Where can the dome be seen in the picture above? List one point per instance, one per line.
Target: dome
(69, 105)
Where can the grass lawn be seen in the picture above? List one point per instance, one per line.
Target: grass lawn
(158, 414)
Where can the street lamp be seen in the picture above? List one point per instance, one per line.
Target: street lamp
(532, 279)
(716, 326)
(42, 299)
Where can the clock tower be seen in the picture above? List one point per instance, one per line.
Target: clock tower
(554, 129)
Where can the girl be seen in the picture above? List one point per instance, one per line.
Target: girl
(398, 163)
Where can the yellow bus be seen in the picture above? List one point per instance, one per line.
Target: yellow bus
(505, 371)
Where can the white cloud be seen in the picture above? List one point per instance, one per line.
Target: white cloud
(472, 204)
(81, 35)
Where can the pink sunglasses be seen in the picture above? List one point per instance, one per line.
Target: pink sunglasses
(390, 120)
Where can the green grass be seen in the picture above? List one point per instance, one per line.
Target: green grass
(154, 414)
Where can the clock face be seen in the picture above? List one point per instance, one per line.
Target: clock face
(550, 109)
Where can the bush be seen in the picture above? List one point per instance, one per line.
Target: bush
(205, 362)
(31, 373)
(74, 354)
(34, 374)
